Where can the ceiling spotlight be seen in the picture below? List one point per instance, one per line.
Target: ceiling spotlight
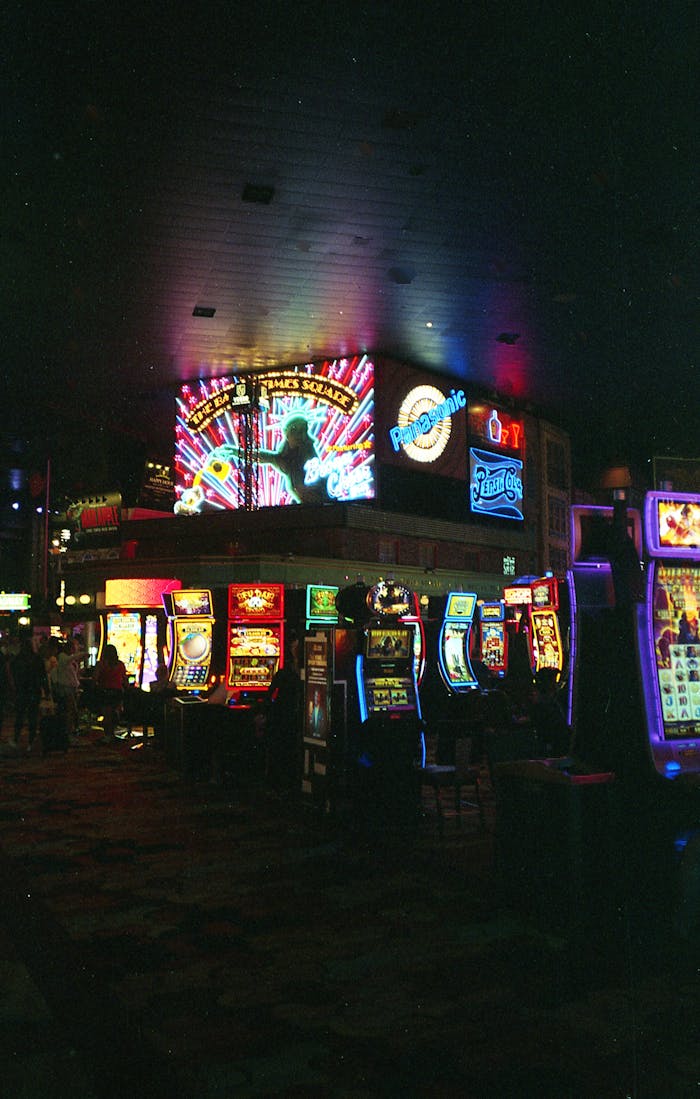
(508, 337)
(203, 311)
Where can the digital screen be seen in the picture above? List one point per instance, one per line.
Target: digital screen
(676, 619)
(679, 523)
(193, 640)
(389, 693)
(276, 438)
(253, 656)
(191, 602)
(493, 645)
(255, 601)
(460, 605)
(545, 593)
(124, 632)
(453, 657)
(320, 603)
(390, 644)
(546, 640)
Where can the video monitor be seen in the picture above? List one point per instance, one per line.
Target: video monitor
(196, 602)
(389, 643)
(299, 436)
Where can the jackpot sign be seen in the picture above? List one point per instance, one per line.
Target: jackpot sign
(496, 484)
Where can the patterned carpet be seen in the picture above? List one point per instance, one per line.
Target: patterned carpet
(166, 938)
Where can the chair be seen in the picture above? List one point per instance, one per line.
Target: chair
(453, 776)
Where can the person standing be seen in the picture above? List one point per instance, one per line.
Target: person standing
(29, 682)
(65, 682)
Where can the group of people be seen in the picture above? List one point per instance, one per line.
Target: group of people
(50, 672)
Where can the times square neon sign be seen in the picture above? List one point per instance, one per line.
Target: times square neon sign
(314, 437)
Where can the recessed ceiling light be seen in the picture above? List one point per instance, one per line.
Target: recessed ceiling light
(428, 324)
(203, 311)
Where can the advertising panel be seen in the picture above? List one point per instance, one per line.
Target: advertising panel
(421, 421)
(495, 484)
(303, 435)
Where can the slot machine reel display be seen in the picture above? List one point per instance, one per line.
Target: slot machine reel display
(255, 637)
(190, 631)
(493, 639)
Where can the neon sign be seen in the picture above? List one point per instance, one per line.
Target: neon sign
(495, 427)
(312, 431)
(496, 484)
(423, 423)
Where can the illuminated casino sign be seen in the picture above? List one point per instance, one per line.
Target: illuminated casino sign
(306, 435)
(495, 484)
(423, 424)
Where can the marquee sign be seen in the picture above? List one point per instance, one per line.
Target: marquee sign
(495, 484)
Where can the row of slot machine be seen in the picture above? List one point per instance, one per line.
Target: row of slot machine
(633, 695)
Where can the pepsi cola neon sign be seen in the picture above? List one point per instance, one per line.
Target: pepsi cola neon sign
(496, 484)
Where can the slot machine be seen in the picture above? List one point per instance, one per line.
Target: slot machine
(190, 633)
(668, 621)
(493, 638)
(135, 623)
(319, 763)
(255, 639)
(388, 740)
(454, 643)
(544, 635)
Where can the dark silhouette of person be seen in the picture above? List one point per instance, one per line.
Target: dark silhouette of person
(547, 715)
(29, 681)
(297, 449)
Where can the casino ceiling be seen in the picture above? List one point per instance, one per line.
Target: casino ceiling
(497, 193)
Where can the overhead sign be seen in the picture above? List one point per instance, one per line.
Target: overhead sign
(304, 435)
(495, 484)
(423, 424)
(496, 428)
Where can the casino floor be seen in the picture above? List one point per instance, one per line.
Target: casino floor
(169, 938)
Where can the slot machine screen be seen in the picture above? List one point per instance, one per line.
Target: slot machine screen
(678, 524)
(384, 643)
(124, 632)
(676, 602)
(454, 653)
(254, 656)
(193, 641)
(191, 602)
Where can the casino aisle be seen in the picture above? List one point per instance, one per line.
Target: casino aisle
(182, 939)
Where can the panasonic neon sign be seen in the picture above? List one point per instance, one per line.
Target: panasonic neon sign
(423, 423)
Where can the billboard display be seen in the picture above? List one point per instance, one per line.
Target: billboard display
(303, 435)
(421, 421)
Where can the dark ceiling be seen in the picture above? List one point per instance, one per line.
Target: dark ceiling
(501, 193)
